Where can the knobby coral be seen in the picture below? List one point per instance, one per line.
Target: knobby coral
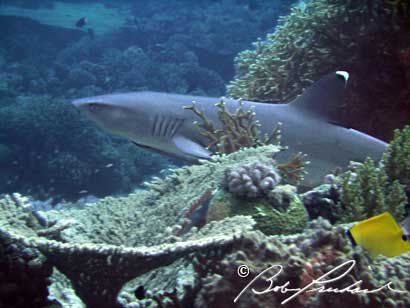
(252, 180)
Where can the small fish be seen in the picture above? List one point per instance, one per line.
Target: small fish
(81, 22)
(382, 235)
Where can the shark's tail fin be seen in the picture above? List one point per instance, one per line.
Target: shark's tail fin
(325, 97)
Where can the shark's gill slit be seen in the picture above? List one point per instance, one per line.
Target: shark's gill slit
(167, 121)
(168, 127)
(171, 127)
(154, 125)
(175, 127)
(160, 125)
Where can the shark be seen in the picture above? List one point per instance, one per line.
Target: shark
(310, 124)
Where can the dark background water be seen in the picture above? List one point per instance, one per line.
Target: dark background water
(47, 149)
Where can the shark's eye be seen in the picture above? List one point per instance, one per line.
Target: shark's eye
(93, 107)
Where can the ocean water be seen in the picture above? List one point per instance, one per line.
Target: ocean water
(162, 229)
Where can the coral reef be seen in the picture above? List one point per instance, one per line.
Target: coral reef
(118, 228)
(329, 35)
(130, 251)
(175, 47)
(186, 239)
(65, 15)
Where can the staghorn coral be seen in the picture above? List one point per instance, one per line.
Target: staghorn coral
(396, 161)
(252, 180)
(362, 193)
(293, 171)
(239, 129)
(329, 35)
(367, 191)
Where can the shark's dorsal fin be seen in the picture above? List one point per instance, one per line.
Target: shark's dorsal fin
(190, 147)
(325, 97)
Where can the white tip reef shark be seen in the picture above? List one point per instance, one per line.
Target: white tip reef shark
(310, 124)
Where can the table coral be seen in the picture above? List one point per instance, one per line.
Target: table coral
(121, 238)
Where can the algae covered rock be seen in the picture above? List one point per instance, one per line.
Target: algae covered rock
(282, 213)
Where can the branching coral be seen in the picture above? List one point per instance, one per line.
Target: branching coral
(369, 189)
(367, 192)
(239, 129)
(294, 170)
(396, 160)
(401, 13)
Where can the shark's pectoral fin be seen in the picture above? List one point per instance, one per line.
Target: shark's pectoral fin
(190, 147)
(324, 98)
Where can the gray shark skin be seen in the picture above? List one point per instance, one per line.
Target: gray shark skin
(310, 124)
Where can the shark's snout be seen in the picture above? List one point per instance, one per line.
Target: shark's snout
(81, 103)
(77, 103)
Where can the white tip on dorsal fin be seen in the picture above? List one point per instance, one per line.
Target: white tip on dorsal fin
(325, 97)
(344, 74)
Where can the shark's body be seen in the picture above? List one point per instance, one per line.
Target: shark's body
(309, 124)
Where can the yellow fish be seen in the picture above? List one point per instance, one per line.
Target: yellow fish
(381, 235)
